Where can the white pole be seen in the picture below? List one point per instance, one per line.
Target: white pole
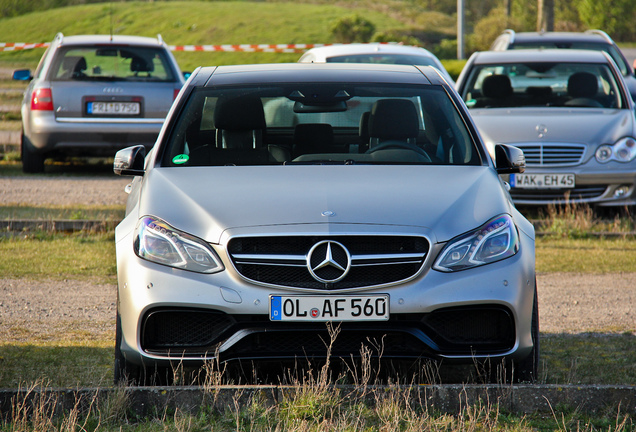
(460, 29)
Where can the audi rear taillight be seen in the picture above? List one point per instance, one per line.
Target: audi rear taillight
(42, 100)
(176, 93)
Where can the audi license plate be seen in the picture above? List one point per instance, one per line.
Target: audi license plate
(113, 108)
(542, 181)
(329, 308)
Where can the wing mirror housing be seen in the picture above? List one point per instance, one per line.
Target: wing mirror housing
(22, 75)
(509, 159)
(130, 161)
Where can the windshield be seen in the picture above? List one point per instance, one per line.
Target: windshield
(320, 124)
(610, 49)
(111, 62)
(542, 84)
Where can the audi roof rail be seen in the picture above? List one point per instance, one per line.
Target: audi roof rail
(58, 37)
(511, 32)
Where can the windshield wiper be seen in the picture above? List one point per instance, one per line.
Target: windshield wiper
(321, 162)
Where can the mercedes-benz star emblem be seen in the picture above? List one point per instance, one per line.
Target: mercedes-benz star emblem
(328, 261)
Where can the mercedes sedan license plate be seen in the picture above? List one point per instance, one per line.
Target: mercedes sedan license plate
(542, 181)
(329, 308)
(115, 108)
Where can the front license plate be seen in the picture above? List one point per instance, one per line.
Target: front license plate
(542, 181)
(113, 108)
(329, 308)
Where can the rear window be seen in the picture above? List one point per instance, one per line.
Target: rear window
(382, 58)
(320, 124)
(111, 62)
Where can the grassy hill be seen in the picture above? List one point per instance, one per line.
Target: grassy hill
(186, 23)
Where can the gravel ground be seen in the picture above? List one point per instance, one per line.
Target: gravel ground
(568, 303)
(45, 191)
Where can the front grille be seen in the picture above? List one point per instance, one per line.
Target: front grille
(282, 261)
(587, 192)
(552, 154)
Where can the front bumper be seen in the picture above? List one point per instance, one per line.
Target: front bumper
(611, 184)
(173, 315)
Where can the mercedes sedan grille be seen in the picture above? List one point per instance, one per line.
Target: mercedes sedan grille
(552, 154)
(351, 261)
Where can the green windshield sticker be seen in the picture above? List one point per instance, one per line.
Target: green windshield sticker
(180, 159)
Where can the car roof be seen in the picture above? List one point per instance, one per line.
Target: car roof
(538, 55)
(368, 48)
(317, 72)
(107, 39)
(559, 37)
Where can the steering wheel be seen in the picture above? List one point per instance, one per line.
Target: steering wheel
(393, 144)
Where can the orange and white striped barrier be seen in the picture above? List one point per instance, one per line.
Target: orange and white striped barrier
(16, 46)
(271, 48)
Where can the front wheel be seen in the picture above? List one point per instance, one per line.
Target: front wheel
(32, 161)
(129, 374)
(518, 371)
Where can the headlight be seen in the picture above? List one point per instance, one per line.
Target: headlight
(160, 243)
(495, 240)
(624, 150)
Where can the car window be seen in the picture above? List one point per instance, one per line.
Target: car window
(321, 123)
(610, 49)
(384, 59)
(122, 63)
(542, 84)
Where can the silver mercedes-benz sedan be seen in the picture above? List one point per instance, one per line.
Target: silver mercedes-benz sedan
(293, 213)
(571, 114)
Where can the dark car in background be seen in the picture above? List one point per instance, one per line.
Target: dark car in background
(92, 95)
(596, 40)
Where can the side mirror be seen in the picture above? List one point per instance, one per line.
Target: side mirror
(509, 159)
(22, 75)
(130, 161)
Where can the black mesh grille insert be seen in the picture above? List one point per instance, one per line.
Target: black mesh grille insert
(198, 332)
(183, 328)
(395, 258)
(477, 327)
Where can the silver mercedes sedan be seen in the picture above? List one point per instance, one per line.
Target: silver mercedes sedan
(571, 114)
(298, 213)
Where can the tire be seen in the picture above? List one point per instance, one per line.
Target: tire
(32, 161)
(129, 374)
(526, 371)
(518, 371)
(125, 372)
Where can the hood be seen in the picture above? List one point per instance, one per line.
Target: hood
(585, 126)
(444, 201)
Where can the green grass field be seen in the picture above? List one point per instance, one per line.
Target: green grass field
(190, 23)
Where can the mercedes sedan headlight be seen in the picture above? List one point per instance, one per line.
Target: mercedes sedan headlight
(494, 241)
(160, 243)
(624, 150)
